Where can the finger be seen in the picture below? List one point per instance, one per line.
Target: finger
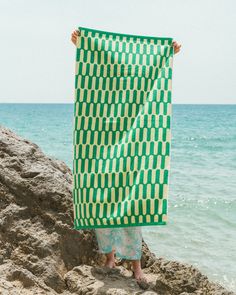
(74, 37)
(177, 44)
(77, 32)
(74, 33)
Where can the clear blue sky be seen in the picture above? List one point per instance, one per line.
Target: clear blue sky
(37, 57)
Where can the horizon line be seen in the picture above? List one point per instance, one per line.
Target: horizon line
(74, 102)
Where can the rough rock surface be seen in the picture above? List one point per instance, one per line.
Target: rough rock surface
(41, 253)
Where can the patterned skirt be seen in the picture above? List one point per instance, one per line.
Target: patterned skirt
(126, 241)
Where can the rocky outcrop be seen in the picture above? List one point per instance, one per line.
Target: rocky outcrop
(41, 253)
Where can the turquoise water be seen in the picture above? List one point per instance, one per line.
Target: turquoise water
(202, 192)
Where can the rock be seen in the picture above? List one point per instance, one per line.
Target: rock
(41, 253)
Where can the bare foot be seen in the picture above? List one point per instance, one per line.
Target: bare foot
(141, 280)
(138, 275)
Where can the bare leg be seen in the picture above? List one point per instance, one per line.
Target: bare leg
(138, 273)
(110, 259)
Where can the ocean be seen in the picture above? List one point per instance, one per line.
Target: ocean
(202, 182)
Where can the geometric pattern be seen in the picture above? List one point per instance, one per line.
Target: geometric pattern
(122, 129)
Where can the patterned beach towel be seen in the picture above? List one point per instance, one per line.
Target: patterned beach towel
(122, 129)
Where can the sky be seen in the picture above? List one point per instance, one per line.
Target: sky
(37, 60)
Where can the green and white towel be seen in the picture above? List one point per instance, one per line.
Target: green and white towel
(122, 129)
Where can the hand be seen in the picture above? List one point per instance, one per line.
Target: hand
(74, 36)
(176, 47)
